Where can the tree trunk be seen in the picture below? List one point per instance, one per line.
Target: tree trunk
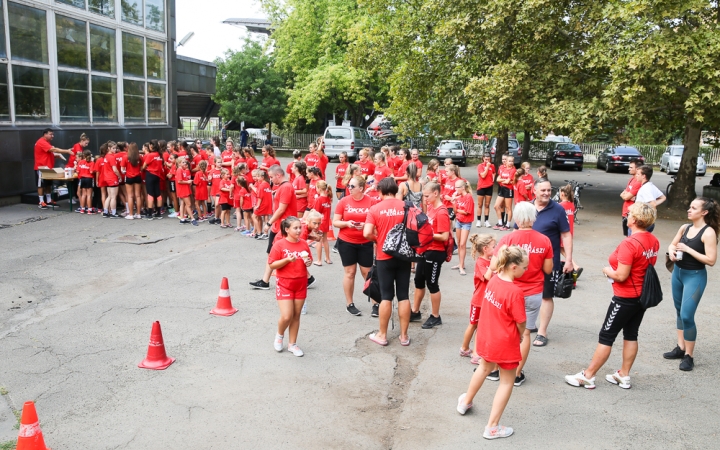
(269, 136)
(683, 191)
(501, 147)
(526, 146)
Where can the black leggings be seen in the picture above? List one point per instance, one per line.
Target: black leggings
(624, 314)
(428, 271)
(393, 274)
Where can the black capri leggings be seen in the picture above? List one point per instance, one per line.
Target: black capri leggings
(624, 314)
(393, 275)
(152, 185)
(428, 271)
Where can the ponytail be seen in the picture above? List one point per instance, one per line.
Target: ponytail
(508, 255)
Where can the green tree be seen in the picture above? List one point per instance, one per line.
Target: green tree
(249, 87)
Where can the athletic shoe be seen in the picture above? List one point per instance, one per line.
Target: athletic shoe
(616, 378)
(455, 251)
(304, 309)
(173, 215)
(295, 350)
(113, 216)
(79, 210)
(520, 380)
(478, 224)
(278, 344)
(183, 221)
(493, 376)
(487, 224)
(129, 217)
(497, 226)
(90, 211)
(687, 364)
(202, 219)
(211, 221)
(415, 316)
(157, 216)
(375, 310)
(124, 214)
(676, 353)
(42, 205)
(353, 310)
(497, 432)
(194, 222)
(162, 211)
(260, 284)
(334, 249)
(311, 281)
(149, 217)
(431, 322)
(138, 216)
(463, 407)
(504, 228)
(246, 233)
(579, 380)
(465, 353)
(264, 237)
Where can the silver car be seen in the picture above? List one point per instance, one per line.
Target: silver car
(454, 150)
(346, 139)
(670, 161)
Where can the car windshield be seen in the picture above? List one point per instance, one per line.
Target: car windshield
(676, 151)
(513, 144)
(338, 133)
(450, 146)
(568, 147)
(626, 151)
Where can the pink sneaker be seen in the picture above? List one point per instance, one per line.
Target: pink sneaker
(465, 353)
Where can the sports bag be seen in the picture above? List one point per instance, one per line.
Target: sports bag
(651, 294)
(564, 285)
(407, 237)
(372, 285)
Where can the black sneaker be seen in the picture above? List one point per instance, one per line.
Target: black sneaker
(113, 216)
(260, 284)
(676, 353)
(211, 221)
(494, 375)
(157, 216)
(415, 316)
(311, 281)
(431, 322)
(687, 363)
(183, 221)
(375, 310)
(520, 380)
(353, 310)
(105, 215)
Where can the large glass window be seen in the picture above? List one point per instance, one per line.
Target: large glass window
(31, 87)
(102, 49)
(3, 52)
(71, 42)
(73, 90)
(28, 33)
(155, 59)
(4, 94)
(76, 3)
(104, 99)
(134, 95)
(156, 102)
(132, 11)
(133, 55)
(155, 14)
(104, 7)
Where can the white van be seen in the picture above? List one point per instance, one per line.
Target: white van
(346, 139)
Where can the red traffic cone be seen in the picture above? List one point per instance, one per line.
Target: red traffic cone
(224, 305)
(156, 358)
(30, 436)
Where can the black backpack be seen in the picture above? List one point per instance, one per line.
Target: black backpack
(651, 294)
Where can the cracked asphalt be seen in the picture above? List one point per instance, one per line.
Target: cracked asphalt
(78, 296)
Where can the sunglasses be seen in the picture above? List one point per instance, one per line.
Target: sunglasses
(352, 186)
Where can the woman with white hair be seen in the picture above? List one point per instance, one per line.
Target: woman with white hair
(540, 255)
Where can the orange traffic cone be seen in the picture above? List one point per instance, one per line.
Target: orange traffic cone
(30, 436)
(224, 305)
(331, 235)
(156, 358)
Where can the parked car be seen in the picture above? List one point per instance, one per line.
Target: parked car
(565, 155)
(513, 148)
(205, 142)
(670, 161)
(260, 135)
(618, 158)
(346, 139)
(454, 150)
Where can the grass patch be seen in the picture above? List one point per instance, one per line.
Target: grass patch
(9, 445)
(3, 390)
(18, 414)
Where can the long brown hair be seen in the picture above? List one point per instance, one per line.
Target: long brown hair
(712, 218)
(133, 154)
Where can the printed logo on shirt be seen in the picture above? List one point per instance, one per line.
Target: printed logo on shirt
(353, 210)
(490, 297)
(287, 254)
(391, 212)
(650, 254)
(530, 249)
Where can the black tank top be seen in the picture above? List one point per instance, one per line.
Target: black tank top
(688, 262)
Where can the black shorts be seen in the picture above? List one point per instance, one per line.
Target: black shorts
(225, 207)
(505, 192)
(351, 254)
(249, 211)
(624, 314)
(624, 225)
(171, 186)
(39, 182)
(394, 275)
(134, 180)
(152, 185)
(550, 282)
(485, 192)
(340, 191)
(271, 240)
(427, 272)
(86, 183)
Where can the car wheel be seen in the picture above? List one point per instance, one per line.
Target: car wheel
(597, 165)
(463, 163)
(579, 169)
(607, 167)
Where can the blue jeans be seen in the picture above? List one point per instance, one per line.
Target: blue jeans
(687, 290)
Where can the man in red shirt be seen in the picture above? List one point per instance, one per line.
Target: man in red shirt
(45, 155)
(629, 193)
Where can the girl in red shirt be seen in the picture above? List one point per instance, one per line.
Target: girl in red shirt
(432, 168)
(263, 204)
(85, 174)
(112, 176)
(340, 171)
(500, 328)
(236, 199)
(567, 201)
(201, 189)
(170, 170)
(269, 159)
(483, 246)
(486, 178)
(99, 180)
(290, 257)
(324, 160)
(133, 181)
(299, 171)
(323, 205)
(214, 178)
(250, 159)
(313, 175)
(528, 180)
(245, 201)
(464, 207)
(183, 180)
(520, 190)
(226, 188)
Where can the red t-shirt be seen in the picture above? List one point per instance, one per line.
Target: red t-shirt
(350, 209)
(236, 191)
(43, 155)
(633, 187)
(631, 253)
(227, 157)
(195, 161)
(285, 194)
(432, 176)
(322, 164)
(312, 194)
(481, 267)
(108, 174)
(569, 208)
(440, 221)
(503, 307)
(489, 179)
(281, 249)
(521, 193)
(323, 205)
(121, 158)
(465, 203)
(529, 183)
(418, 164)
(183, 190)
(366, 168)
(268, 162)
(384, 216)
(252, 164)
(539, 248)
(340, 171)
(215, 181)
(373, 194)
(245, 199)
(312, 160)
(85, 169)
(224, 194)
(154, 163)
(506, 172)
(201, 185)
(290, 172)
(302, 202)
(447, 188)
(98, 169)
(401, 170)
(382, 172)
(76, 155)
(132, 171)
(265, 197)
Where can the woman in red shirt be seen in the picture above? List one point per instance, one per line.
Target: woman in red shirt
(313, 175)
(297, 156)
(427, 272)
(500, 328)
(170, 170)
(486, 178)
(269, 159)
(464, 207)
(503, 204)
(352, 171)
(324, 160)
(99, 180)
(153, 165)
(432, 168)
(133, 181)
(528, 180)
(214, 179)
(365, 163)
(628, 265)
(112, 177)
(381, 169)
(483, 246)
(299, 182)
(76, 156)
(340, 171)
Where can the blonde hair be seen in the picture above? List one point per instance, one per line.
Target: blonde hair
(479, 242)
(312, 214)
(568, 191)
(360, 180)
(349, 173)
(202, 165)
(644, 215)
(433, 165)
(322, 187)
(466, 186)
(453, 168)
(508, 255)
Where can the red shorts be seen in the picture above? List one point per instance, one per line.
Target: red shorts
(474, 315)
(508, 366)
(236, 203)
(291, 289)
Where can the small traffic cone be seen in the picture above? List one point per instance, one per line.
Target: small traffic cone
(224, 305)
(30, 436)
(331, 235)
(156, 358)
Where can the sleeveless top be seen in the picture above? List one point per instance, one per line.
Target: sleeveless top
(414, 197)
(688, 262)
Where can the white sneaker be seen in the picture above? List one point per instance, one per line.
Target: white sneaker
(616, 378)
(304, 309)
(279, 342)
(463, 407)
(579, 380)
(497, 432)
(138, 216)
(487, 224)
(295, 350)
(173, 215)
(129, 217)
(478, 224)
